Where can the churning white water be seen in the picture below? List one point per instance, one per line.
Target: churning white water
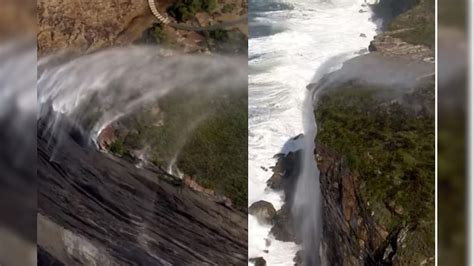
(290, 42)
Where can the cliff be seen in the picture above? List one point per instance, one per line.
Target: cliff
(375, 148)
(94, 208)
(103, 208)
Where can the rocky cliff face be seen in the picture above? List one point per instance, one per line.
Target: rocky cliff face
(375, 150)
(411, 35)
(351, 234)
(96, 209)
(377, 178)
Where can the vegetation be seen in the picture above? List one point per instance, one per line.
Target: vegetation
(227, 41)
(390, 146)
(206, 137)
(216, 154)
(418, 24)
(228, 8)
(185, 10)
(157, 34)
(118, 149)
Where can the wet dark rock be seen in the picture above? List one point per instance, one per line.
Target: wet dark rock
(258, 261)
(285, 172)
(285, 176)
(298, 259)
(276, 181)
(263, 210)
(94, 208)
(46, 259)
(300, 136)
(362, 35)
(348, 228)
(387, 10)
(283, 228)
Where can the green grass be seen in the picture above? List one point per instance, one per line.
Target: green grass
(390, 148)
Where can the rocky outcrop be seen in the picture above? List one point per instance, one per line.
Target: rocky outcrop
(298, 259)
(283, 226)
(284, 178)
(258, 261)
(106, 137)
(94, 208)
(411, 34)
(351, 236)
(388, 45)
(285, 173)
(375, 148)
(263, 210)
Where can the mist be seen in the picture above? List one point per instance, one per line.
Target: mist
(18, 152)
(375, 71)
(95, 90)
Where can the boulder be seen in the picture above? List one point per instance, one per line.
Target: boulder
(283, 225)
(258, 261)
(286, 172)
(264, 211)
(298, 259)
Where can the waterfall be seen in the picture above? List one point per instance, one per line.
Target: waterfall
(289, 42)
(306, 207)
(95, 90)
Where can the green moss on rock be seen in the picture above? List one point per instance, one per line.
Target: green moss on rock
(390, 146)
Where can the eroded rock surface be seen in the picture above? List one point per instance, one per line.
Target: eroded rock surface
(93, 207)
(89, 25)
(351, 237)
(263, 210)
(375, 148)
(390, 46)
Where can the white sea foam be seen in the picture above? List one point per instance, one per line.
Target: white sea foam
(282, 62)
